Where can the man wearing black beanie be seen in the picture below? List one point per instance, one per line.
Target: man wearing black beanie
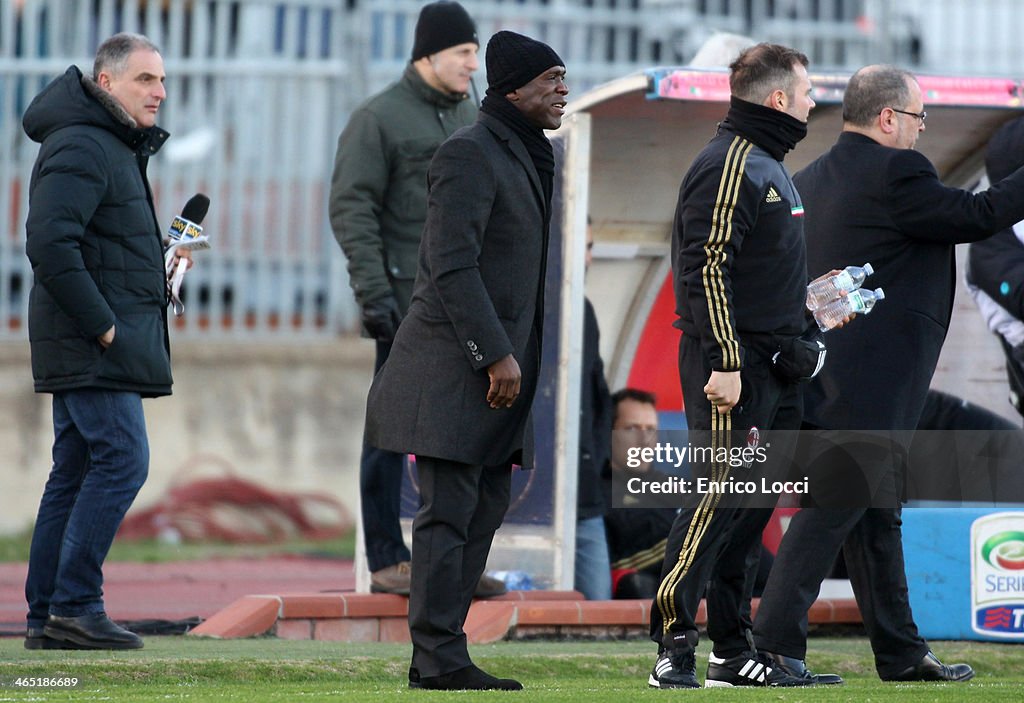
(378, 204)
(458, 386)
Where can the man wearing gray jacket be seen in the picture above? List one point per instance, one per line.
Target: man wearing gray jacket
(458, 386)
(378, 204)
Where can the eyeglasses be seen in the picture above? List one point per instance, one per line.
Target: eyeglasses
(923, 115)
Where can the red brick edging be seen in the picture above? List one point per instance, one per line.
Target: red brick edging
(362, 617)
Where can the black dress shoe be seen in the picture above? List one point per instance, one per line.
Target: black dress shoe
(931, 669)
(95, 631)
(798, 668)
(414, 678)
(35, 639)
(469, 678)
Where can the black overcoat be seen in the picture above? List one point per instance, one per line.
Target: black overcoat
(476, 299)
(865, 202)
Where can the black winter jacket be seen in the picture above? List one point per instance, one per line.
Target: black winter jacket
(94, 244)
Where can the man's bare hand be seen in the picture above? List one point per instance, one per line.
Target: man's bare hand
(846, 320)
(842, 294)
(723, 390)
(506, 381)
(182, 253)
(823, 276)
(107, 338)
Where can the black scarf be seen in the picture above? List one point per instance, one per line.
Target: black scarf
(774, 131)
(537, 145)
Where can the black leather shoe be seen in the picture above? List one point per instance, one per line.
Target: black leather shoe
(931, 669)
(414, 678)
(95, 631)
(35, 639)
(798, 668)
(469, 678)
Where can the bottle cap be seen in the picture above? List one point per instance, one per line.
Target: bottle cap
(868, 269)
(879, 293)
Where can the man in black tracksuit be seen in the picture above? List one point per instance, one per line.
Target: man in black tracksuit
(740, 275)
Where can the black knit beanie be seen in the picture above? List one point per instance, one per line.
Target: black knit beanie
(514, 60)
(442, 25)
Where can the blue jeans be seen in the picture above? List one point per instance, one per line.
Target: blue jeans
(100, 461)
(593, 569)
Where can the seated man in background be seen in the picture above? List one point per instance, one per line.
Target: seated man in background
(636, 535)
(964, 452)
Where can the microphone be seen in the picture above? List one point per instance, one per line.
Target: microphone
(185, 233)
(185, 227)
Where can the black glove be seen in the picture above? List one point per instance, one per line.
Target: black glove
(381, 318)
(800, 358)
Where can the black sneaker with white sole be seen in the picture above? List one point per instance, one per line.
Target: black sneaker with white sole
(674, 670)
(749, 669)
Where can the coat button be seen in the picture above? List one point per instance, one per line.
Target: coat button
(479, 357)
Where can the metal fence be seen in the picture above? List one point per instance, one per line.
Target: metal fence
(258, 91)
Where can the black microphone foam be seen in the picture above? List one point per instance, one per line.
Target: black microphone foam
(196, 208)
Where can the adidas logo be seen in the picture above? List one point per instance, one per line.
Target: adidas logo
(755, 671)
(737, 671)
(773, 196)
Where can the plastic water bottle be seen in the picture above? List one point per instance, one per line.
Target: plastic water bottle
(821, 293)
(515, 580)
(858, 302)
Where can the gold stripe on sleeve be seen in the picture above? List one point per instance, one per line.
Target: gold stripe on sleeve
(714, 251)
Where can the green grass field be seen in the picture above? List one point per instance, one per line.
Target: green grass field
(186, 669)
(15, 547)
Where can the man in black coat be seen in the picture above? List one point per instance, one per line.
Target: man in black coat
(457, 387)
(97, 326)
(873, 198)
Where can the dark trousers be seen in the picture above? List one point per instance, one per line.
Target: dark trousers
(462, 506)
(380, 492)
(717, 538)
(871, 540)
(100, 461)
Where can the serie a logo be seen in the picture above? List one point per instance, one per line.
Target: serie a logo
(997, 575)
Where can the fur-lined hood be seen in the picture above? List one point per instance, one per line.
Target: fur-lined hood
(75, 99)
